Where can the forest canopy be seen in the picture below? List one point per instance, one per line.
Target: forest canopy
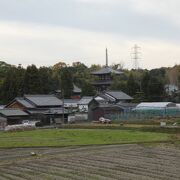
(142, 84)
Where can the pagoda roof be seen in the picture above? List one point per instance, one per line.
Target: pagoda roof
(107, 70)
(108, 82)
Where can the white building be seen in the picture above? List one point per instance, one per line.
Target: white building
(83, 104)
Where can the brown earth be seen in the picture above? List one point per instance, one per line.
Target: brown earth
(133, 162)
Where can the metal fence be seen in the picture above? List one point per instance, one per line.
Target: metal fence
(144, 114)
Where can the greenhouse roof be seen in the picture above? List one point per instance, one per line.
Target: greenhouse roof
(155, 105)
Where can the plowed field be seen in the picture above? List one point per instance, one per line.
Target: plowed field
(136, 162)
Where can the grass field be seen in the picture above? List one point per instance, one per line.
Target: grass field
(74, 137)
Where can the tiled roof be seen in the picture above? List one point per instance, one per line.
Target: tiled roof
(51, 111)
(119, 95)
(85, 100)
(106, 98)
(106, 70)
(13, 112)
(44, 100)
(24, 102)
(71, 101)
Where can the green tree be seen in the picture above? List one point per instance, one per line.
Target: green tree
(32, 84)
(132, 85)
(12, 85)
(88, 89)
(155, 89)
(119, 85)
(145, 84)
(20, 73)
(48, 83)
(66, 82)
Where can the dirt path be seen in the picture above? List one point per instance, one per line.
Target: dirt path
(127, 162)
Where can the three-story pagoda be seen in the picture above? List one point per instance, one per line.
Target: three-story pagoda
(104, 76)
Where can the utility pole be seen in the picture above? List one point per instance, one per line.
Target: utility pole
(135, 56)
(63, 106)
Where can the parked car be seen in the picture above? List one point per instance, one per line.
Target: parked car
(26, 122)
(103, 121)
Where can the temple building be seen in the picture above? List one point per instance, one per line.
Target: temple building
(104, 76)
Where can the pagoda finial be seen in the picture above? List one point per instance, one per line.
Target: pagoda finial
(106, 57)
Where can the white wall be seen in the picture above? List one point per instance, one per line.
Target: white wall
(83, 108)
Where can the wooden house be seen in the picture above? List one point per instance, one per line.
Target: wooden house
(84, 103)
(13, 116)
(114, 97)
(3, 123)
(46, 107)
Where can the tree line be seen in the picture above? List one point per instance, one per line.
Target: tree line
(142, 84)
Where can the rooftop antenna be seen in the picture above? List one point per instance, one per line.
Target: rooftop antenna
(136, 57)
(106, 57)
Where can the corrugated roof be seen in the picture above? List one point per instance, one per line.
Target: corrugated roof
(24, 102)
(44, 100)
(85, 100)
(106, 70)
(13, 112)
(119, 95)
(155, 105)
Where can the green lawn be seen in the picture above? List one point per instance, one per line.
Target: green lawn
(68, 137)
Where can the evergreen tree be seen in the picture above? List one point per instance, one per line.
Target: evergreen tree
(132, 85)
(155, 89)
(145, 84)
(32, 84)
(66, 82)
(119, 85)
(10, 86)
(88, 89)
(46, 80)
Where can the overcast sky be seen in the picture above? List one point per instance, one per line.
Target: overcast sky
(43, 32)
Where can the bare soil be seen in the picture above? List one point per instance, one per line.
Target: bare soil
(127, 162)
